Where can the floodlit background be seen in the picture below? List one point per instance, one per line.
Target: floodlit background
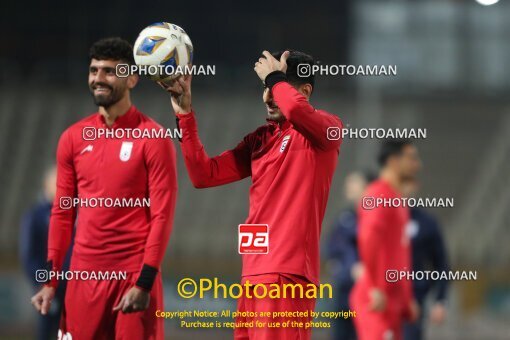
(453, 80)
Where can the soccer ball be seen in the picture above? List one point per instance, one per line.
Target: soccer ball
(163, 51)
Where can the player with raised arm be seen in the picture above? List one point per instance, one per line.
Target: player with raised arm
(130, 239)
(291, 162)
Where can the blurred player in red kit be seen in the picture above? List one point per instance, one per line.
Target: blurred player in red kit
(130, 239)
(383, 305)
(291, 162)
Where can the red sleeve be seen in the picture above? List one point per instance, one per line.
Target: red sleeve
(162, 183)
(311, 123)
(204, 171)
(370, 238)
(62, 220)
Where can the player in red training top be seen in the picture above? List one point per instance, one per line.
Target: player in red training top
(381, 302)
(291, 162)
(136, 181)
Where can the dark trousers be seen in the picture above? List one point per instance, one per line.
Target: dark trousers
(343, 329)
(414, 331)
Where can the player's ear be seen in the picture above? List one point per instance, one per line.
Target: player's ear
(132, 80)
(305, 90)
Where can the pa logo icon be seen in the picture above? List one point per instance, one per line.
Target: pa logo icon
(253, 239)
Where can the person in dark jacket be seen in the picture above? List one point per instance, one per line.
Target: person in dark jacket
(33, 244)
(342, 252)
(428, 253)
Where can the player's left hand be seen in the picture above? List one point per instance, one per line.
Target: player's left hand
(414, 309)
(268, 64)
(377, 300)
(135, 300)
(438, 313)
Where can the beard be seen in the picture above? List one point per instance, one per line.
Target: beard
(106, 100)
(277, 117)
(408, 178)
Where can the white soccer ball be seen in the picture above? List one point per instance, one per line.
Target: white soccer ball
(166, 46)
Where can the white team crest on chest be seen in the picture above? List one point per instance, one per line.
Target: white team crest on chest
(284, 143)
(125, 151)
(88, 148)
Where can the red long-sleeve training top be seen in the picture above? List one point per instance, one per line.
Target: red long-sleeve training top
(291, 165)
(114, 238)
(383, 246)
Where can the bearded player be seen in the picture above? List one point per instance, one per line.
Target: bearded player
(130, 239)
(382, 304)
(291, 162)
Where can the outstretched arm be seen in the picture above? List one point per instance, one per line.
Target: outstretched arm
(205, 171)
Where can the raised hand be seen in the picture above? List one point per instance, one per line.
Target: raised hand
(269, 64)
(180, 91)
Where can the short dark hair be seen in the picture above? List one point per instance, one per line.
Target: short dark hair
(114, 48)
(368, 175)
(391, 147)
(296, 58)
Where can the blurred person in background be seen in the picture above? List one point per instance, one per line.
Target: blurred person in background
(342, 252)
(428, 253)
(381, 303)
(33, 251)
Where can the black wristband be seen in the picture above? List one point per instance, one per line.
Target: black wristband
(147, 277)
(273, 78)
